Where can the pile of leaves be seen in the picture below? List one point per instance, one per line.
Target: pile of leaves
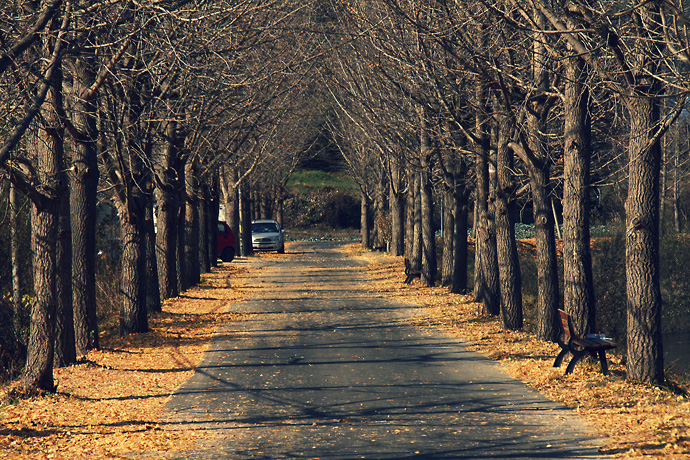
(634, 420)
(109, 404)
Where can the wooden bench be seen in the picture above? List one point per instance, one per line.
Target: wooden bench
(411, 274)
(580, 347)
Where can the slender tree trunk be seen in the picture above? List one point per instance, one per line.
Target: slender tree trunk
(245, 210)
(153, 297)
(65, 350)
(417, 238)
(459, 281)
(192, 224)
(181, 237)
(485, 228)
(448, 254)
(396, 199)
(429, 259)
(17, 281)
(510, 278)
(578, 288)
(166, 205)
(83, 175)
(364, 220)
(204, 229)
(409, 214)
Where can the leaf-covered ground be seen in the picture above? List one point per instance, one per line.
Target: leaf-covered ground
(635, 420)
(109, 405)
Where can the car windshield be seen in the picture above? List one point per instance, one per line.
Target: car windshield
(264, 227)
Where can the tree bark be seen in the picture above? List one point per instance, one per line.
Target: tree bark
(166, 205)
(153, 297)
(578, 288)
(133, 311)
(397, 205)
(448, 254)
(192, 224)
(83, 183)
(645, 361)
(65, 350)
(488, 288)
(364, 220)
(510, 281)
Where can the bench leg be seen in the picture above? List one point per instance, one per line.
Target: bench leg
(602, 361)
(576, 359)
(409, 279)
(559, 358)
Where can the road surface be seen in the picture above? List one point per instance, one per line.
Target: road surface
(325, 368)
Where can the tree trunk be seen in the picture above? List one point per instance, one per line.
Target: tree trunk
(448, 255)
(417, 239)
(192, 224)
(245, 210)
(153, 297)
(488, 288)
(578, 288)
(17, 281)
(396, 199)
(48, 145)
(409, 214)
(166, 205)
(509, 275)
(65, 350)
(645, 355)
(204, 229)
(459, 281)
(133, 311)
(83, 183)
(181, 225)
(429, 260)
(364, 220)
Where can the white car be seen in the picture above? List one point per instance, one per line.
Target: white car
(268, 236)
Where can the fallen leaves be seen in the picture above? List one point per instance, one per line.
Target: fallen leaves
(108, 405)
(635, 420)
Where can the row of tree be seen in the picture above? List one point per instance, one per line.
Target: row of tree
(492, 101)
(155, 108)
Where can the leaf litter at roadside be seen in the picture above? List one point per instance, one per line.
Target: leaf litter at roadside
(635, 420)
(108, 405)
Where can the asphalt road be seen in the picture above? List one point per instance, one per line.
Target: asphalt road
(327, 369)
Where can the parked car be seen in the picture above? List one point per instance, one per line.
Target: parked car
(268, 236)
(226, 242)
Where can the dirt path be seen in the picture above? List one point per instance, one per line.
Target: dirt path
(325, 368)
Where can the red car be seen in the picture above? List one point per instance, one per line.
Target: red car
(226, 242)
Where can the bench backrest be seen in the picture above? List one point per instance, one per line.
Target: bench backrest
(568, 330)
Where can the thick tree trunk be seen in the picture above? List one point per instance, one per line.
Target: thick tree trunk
(645, 351)
(48, 145)
(133, 311)
(510, 281)
(645, 357)
(578, 289)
